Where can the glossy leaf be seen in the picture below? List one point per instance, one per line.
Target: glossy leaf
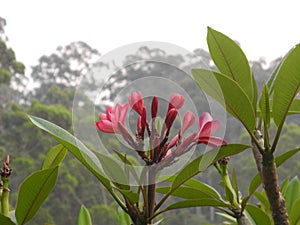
(5, 220)
(284, 185)
(113, 170)
(228, 93)
(259, 216)
(264, 106)
(203, 187)
(230, 219)
(286, 85)
(77, 148)
(195, 184)
(132, 196)
(294, 108)
(285, 156)
(124, 218)
(188, 193)
(292, 192)
(205, 160)
(264, 202)
(33, 192)
(126, 160)
(231, 61)
(54, 156)
(84, 217)
(196, 203)
(294, 214)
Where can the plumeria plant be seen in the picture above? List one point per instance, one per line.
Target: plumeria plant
(235, 88)
(139, 199)
(159, 145)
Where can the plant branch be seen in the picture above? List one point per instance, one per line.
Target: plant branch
(270, 181)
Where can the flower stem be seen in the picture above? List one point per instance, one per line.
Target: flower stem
(151, 193)
(5, 198)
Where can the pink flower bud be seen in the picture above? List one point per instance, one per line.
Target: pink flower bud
(176, 101)
(136, 102)
(171, 116)
(154, 107)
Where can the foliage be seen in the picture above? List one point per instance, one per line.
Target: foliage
(28, 146)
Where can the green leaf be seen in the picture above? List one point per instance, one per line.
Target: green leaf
(5, 220)
(196, 203)
(203, 187)
(84, 217)
(132, 196)
(114, 171)
(272, 78)
(76, 147)
(133, 165)
(33, 192)
(227, 217)
(158, 222)
(286, 85)
(54, 156)
(264, 105)
(124, 218)
(284, 185)
(259, 216)
(228, 93)
(205, 160)
(294, 214)
(231, 61)
(285, 156)
(194, 184)
(188, 193)
(292, 192)
(264, 202)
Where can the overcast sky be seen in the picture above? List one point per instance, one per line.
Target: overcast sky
(263, 28)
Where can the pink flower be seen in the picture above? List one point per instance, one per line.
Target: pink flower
(188, 120)
(136, 101)
(109, 121)
(176, 101)
(207, 127)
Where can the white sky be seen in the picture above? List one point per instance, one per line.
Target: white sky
(263, 28)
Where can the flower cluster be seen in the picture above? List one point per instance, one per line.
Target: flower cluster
(161, 149)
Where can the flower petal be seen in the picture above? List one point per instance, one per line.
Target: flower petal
(203, 119)
(210, 128)
(173, 142)
(105, 126)
(188, 120)
(176, 101)
(212, 141)
(136, 102)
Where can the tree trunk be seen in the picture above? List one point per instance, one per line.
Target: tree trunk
(270, 181)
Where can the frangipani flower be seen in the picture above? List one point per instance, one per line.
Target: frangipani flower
(207, 127)
(160, 147)
(109, 121)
